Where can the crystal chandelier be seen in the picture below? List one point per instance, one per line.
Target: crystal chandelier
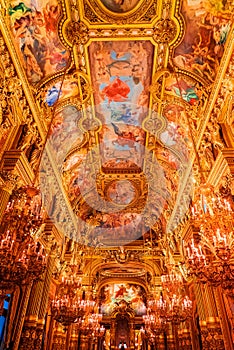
(174, 308)
(68, 307)
(212, 262)
(67, 310)
(154, 323)
(172, 282)
(90, 325)
(210, 255)
(210, 208)
(19, 262)
(24, 213)
(21, 257)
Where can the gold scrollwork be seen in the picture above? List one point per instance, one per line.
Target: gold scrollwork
(76, 32)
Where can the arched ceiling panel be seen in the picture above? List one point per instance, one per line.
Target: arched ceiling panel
(34, 25)
(207, 26)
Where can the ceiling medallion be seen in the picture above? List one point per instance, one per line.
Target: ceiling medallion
(121, 192)
(77, 32)
(165, 31)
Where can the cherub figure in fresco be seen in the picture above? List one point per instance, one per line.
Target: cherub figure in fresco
(21, 26)
(121, 292)
(131, 133)
(203, 63)
(51, 15)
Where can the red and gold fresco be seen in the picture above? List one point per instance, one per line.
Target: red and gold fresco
(35, 30)
(121, 74)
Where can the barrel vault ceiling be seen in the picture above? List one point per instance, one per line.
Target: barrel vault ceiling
(120, 91)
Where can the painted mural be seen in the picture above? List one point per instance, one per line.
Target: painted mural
(207, 26)
(177, 136)
(34, 25)
(64, 133)
(121, 73)
(121, 192)
(120, 6)
(69, 89)
(182, 87)
(112, 294)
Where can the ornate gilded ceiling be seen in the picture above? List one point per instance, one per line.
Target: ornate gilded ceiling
(120, 90)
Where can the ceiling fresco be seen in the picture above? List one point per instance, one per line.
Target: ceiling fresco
(35, 29)
(207, 26)
(121, 74)
(122, 102)
(111, 295)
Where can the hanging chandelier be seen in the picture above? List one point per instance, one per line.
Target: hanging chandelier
(212, 262)
(22, 258)
(210, 255)
(174, 308)
(19, 262)
(154, 324)
(172, 282)
(24, 213)
(90, 325)
(68, 306)
(66, 310)
(209, 205)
